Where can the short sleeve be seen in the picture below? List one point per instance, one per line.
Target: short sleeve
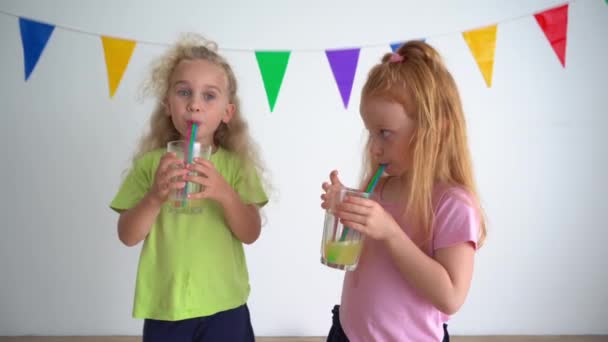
(249, 187)
(456, 219)
(137, 183)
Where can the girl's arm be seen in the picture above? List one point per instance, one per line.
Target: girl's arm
(445, 280)
(243, 219)
(135, 224)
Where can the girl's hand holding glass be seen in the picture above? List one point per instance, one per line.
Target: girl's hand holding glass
(334, 186)
(213, 184)
(368, 217)
(169, 176)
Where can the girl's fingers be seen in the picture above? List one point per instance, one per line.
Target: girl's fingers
(359, 201)
(173, 173)
(202, 164)
(169, 169)
(199, 195)
(333, 177)
(196, 195)
(324, 203)
(175, 185)
(353, 208)
(354, 225)
(168, 159)
(195, 167)
(201, 161)
(200, 169)
(202, 180)
(354, 217)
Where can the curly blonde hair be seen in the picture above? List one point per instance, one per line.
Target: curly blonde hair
(232, 136)
(421, 83)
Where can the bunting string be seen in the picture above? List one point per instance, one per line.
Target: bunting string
(239, 49)
(481, 41)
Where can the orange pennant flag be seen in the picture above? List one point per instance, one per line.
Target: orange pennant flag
(482, 43)
(117, 53)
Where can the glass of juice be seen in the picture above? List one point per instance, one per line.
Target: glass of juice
(340, 245)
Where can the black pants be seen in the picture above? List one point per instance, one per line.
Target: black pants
(232, 325)
(336, 334)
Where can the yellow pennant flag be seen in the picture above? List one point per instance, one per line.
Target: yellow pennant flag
(482, 43)
(117, 53)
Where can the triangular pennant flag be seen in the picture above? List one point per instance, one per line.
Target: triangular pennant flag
(117, 53)
(397, 45)
(34, 36)
(482, 43)
(343, 64)
(554, 23)
(272, 66)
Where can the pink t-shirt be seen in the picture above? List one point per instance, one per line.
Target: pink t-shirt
(378, 304)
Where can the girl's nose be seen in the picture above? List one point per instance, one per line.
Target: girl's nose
(376, 148)
(194, 106)
(193, 109)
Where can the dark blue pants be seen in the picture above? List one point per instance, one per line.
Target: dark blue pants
(336, 334)
(230, 325)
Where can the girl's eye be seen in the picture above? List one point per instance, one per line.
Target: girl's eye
(183, 92)
(209, 96)
(385, 133)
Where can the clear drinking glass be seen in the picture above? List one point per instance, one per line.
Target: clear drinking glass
(340, 245)
(179, 197)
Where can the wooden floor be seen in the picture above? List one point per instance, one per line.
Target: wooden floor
(313, 339)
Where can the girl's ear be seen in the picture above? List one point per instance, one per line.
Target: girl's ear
(229, 113)
(165, 105)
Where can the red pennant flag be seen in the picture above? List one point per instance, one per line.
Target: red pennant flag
(554, 23)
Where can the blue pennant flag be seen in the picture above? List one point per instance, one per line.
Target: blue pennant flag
(397, 45)
(34, 36)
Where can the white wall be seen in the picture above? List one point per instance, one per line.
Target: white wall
(536, 138)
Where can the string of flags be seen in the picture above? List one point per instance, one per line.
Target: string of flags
(273, 64)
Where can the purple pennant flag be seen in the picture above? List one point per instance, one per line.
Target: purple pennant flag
(34, 36)
(343, 65)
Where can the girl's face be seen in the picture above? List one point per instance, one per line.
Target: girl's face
(198, 91)
(390, 132)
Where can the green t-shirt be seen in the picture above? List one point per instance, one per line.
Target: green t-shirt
(191, 265)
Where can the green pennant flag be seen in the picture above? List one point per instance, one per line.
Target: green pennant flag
(272, 67)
